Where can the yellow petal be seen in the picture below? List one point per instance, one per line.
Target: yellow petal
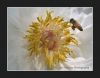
(73, 54)
(58, 20)
(74, 40)
(66, 31)
(50, 62)
(65, 25)
(61, 57)
(35, 25)
(40, 19)
(48, 18)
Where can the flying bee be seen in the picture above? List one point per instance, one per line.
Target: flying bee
(76, 24)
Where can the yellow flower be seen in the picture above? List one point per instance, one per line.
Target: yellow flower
(50, 38)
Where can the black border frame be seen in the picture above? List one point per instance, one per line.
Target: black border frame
(3, 24)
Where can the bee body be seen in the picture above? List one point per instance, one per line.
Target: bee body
(76, 25)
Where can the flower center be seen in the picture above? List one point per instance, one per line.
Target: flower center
(49, 40)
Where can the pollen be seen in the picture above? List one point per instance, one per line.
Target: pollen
(50, 38)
